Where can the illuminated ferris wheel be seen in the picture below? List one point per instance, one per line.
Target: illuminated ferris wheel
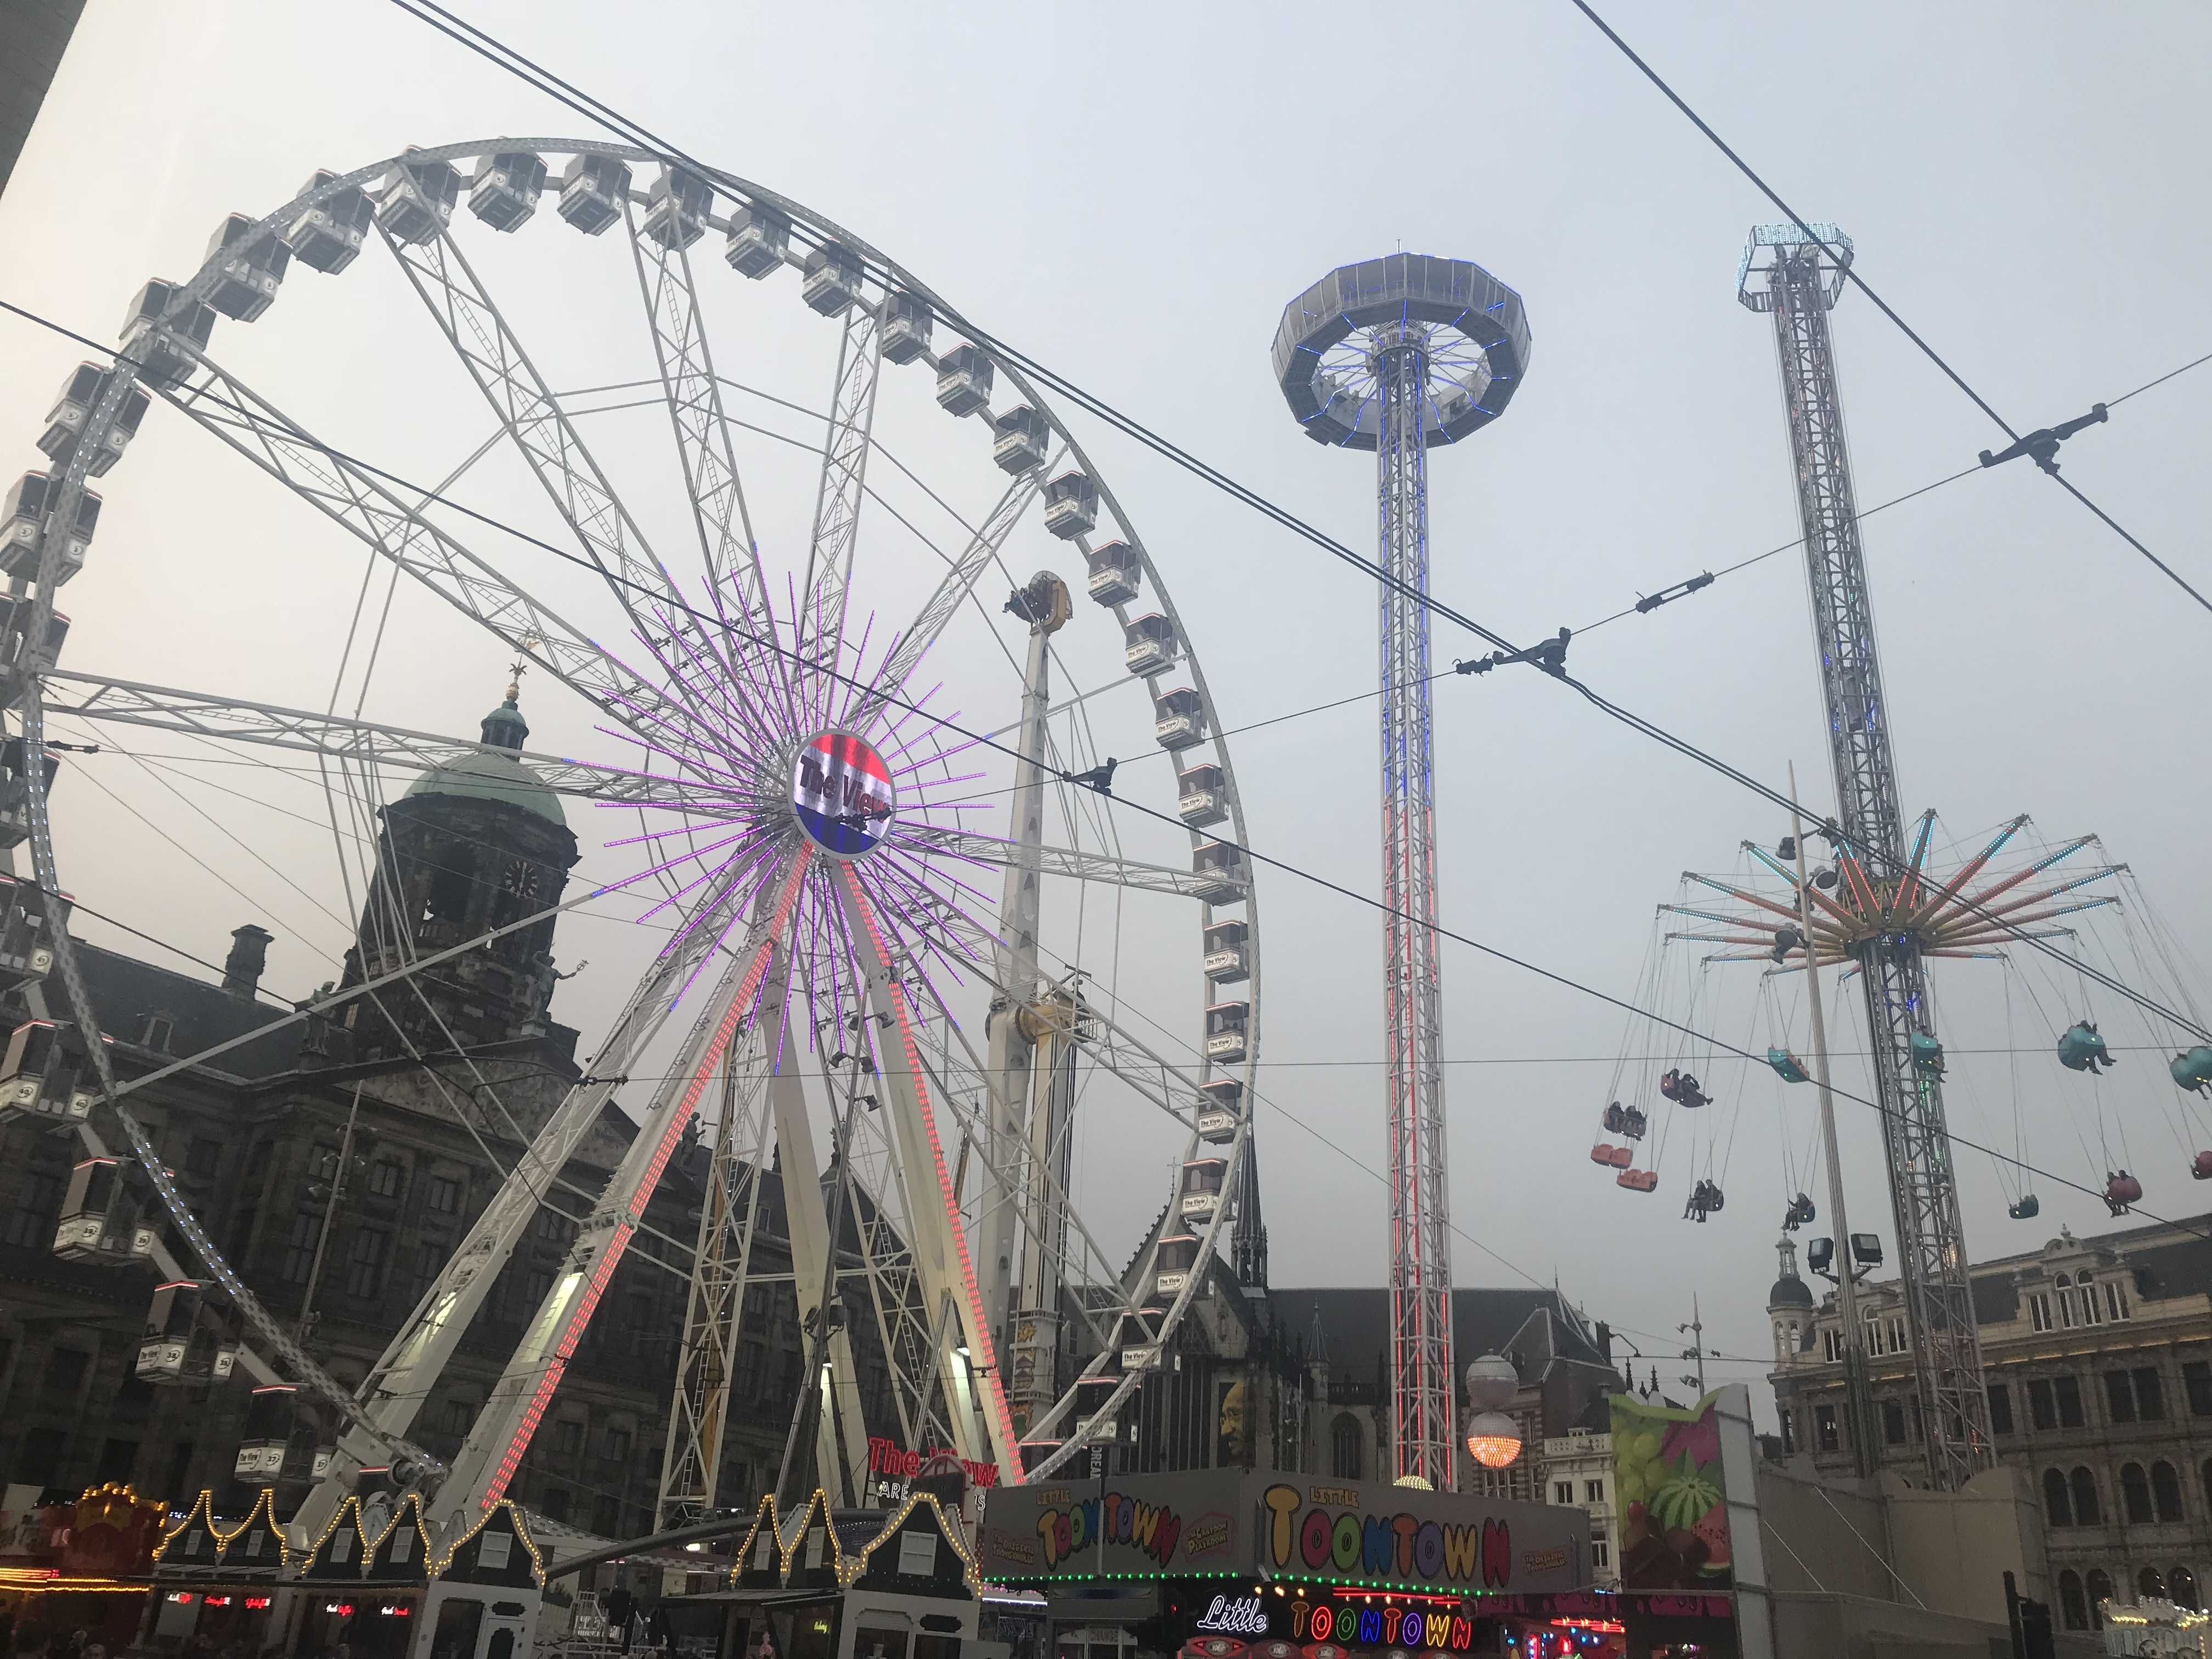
(825, 675)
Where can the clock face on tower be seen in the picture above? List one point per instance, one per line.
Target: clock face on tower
(520, 879)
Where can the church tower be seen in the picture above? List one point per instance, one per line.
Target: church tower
(471, 847)
(1789, 1306)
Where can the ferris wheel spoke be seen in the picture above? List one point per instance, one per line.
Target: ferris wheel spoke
(541, 432)
(1075, 863)
(727, 548)
(368, 744)
(957, 584)
(841, 488)
(399, 531)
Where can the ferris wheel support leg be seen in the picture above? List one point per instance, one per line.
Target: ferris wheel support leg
(502, 1431)
(984, 1432)
(811, 1249)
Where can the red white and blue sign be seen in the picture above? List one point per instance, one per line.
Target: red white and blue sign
(841, 793)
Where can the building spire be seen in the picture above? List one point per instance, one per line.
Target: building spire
(504, 727)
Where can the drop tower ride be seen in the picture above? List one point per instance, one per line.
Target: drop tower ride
(1803, 275)
(1401, 355)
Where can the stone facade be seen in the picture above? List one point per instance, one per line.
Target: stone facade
(2098, 1357)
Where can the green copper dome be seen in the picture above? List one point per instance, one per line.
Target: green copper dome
(492, 774)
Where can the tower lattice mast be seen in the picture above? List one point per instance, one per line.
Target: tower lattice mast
(1803, 279)
(1401, 355)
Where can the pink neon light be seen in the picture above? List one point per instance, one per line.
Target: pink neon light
(980, 1332)
(619, 1241)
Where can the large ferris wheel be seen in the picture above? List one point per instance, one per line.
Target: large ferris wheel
(813, 707)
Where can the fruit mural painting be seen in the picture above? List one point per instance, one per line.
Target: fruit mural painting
(1674, 1509)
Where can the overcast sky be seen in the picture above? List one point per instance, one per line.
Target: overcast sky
(1131, 194)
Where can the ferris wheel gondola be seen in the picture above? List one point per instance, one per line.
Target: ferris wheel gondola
(820, 873)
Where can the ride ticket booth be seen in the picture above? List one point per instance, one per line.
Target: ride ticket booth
(1237, 1564)
(823, 1583)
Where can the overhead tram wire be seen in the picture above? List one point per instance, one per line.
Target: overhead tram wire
(1850, 273)
(984, 740)
(490, 48)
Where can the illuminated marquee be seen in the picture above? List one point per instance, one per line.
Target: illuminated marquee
(1320, 1538)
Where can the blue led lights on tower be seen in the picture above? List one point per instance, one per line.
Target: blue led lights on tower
(1399, 355)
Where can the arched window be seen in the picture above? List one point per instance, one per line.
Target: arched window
(2135, 1493)
(2071, 1608)
(2056, 1508)
(1344, 1447)
(2166, 1491)
(2100, 1591)
(2152, 1586)
(2181, 1586)
(2087, 1512)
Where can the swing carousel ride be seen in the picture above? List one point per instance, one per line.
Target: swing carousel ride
(2047, 916)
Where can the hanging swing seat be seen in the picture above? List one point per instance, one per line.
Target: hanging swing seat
(2081, 1050)
(2200, 1167)
(1926, 1054)
(1799, 1214)
(1682, 1088)
(1637, 1181)
(2121, 1190)
(1612, 1158)
(2192, 1071)
(2026, 1209)
(1787, 1067)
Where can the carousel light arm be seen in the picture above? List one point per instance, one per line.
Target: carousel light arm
(1967, 871)
(1978, 903)
(1909, 889)
(1843, 918)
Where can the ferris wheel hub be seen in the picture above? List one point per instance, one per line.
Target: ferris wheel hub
(842, 794)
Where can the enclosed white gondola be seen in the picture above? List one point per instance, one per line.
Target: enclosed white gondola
(907, 324)
(1021, 439)
(1221, 1110)
(675, 208)
(249, 264)
(67, 417)
(1179, 719)
(182, 1343)
(1220, 868)
(1228, 957)
(592, 191)
(270, 1415)
(15, 791)
(833, 277)
(1201, 796)
(17, 611)
(416, 199)
(99, 1221)
(1200, 1196)
(38, 1074)
(1116, 574)
(1071, 506)
(1148, 644)
(964, 381)
(25, 953)
(1172, 1264)
(760, 238)
(504, 192)
(1226, 1031)
(163, 366)
(328, 236)
(22, 511)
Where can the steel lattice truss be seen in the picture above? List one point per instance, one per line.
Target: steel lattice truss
(821, 899)
(1801, 282)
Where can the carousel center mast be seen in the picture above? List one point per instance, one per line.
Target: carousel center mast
(1399, 355)
(1804, 275)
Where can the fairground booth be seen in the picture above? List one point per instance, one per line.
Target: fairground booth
(1236, 1564)
(814, 1582)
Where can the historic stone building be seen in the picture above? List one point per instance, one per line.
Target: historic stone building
(2097, 1356)
(338, 1163)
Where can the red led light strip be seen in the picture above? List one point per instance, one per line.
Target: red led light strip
(979, 1334)
(619, 1241)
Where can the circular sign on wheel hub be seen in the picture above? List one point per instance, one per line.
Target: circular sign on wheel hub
(841, 793)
